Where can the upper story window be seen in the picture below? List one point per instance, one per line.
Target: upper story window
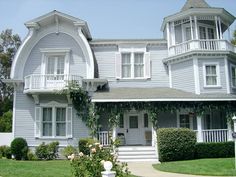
(211, 74)
(133, 64)
(233, 75)
(206, 32)
(55, 64)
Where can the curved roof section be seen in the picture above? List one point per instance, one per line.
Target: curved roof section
(195, 4)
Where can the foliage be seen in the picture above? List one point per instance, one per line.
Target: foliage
(6, 122)
(233, 41)
(31, 156)
(19, 148)
(203, 167)
(67, 151)
(47, 151)
(5, 151)
(84, 144)
(175, 144)
(214, 150)
(92, 165)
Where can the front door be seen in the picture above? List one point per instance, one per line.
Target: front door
(133, 130)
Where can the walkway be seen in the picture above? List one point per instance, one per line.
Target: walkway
(145, 169)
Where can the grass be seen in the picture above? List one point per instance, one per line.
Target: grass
(54, 168)
(208, 167)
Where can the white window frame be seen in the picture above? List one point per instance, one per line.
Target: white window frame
(217, 64)
(53, 105)
(49, 52)
(206, 28)
(231, 74)
(132, 52)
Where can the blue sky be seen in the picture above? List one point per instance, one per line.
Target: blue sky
(106, 18)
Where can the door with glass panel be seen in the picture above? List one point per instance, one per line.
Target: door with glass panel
(55, 67)
(133, 130)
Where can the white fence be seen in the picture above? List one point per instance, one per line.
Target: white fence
(217, 135)
(6, 138)
(104, 138)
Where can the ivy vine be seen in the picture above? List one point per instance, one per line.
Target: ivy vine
(90, 112)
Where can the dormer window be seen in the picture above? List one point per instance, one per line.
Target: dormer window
(55, 65)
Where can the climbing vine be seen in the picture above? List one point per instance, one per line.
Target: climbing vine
(90, 112)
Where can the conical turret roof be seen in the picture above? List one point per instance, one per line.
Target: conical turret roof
(195, 4)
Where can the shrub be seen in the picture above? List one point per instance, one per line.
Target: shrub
(47, 151)
(92, 165)
(2, 151)
(214, 150)
(175, 144)
(5, 151)
(84, 145)
(68, 151)
(19, 148)
(31, 155)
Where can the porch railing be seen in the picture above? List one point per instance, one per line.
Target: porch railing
(104, 138)
(202, 44)
(215, 135)
(49, 81)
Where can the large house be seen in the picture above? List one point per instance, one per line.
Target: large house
(193, 63)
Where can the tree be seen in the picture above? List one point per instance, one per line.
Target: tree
(9, 43)
(6, 122)
(233, 41)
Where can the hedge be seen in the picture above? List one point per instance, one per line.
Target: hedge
(214, 150)
(175, 144)
(19, 148)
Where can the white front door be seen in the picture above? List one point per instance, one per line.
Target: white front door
(134, 130)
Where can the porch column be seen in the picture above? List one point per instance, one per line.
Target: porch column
(114, 132)
(217, 29)
(221, 34)
(196, 27)
(199, 129)
(191, 26)
(168, 34)
(172, 33)
(230, 131)
(229, 33)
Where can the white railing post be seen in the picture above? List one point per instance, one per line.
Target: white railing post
(230, 131)
(199, 129)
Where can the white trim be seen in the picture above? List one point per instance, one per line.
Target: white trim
(170, 76)
(196, 28)
(217, 64)
(196, 75)
(14, 112)
(168, 35)
(20, 50)
(53, 104)
(163, 99)
(55, 50)
(217, 30)
(191, 27)
(172, 33)
(227, 75)
(221, 35)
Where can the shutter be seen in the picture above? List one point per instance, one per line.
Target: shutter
(147, 65)
(69, 122)
(118, 65)
(37, 128)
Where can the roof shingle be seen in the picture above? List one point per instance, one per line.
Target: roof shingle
(195, 4)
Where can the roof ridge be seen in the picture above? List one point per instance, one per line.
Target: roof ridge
(195, 4)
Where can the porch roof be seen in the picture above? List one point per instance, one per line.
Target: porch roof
(156, 94)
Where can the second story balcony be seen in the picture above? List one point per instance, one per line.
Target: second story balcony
(37, 83)
(202, 45)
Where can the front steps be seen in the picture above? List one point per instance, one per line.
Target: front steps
(137, 154)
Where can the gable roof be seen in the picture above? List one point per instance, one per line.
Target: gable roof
(195, 4)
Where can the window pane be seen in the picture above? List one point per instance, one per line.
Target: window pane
(47, 122)
(60, 64)
(60, 121)
(47, 114)
(211, 80)
(146, 120)
(211, 70)
(138, 65)
(50, 65)
(184, 121)
(211, 76)
(188, 33)
(202, 32)
(210, 33)
(133, 122)
(234, 76)
(47, 129)
(121, 121)
(126, 65)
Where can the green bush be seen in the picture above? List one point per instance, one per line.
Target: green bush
(19, 148)
(84, 145)
(47, 151)
(214, 150)
(31, 155)
(92, 165)
(5, 151)
(175, 144)
(67, 151)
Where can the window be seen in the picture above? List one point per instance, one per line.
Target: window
(121, 121)
(146, 122)
(55, 65)
(132, 65)
(53, 120)
(211, 75)
(133, 121)
(188, 33)
(184, 121)
(202, 31)
(206, 32)
(233, 75)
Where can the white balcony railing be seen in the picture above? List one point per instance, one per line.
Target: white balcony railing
(49, 81)
(204, 45)
(216, 135)
(104, 138)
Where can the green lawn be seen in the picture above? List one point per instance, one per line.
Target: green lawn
(208, 167)
(55, 168)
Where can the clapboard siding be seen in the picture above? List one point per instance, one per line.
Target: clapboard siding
(221, 62)
(183, 76)
(106, 66)
(61, 40)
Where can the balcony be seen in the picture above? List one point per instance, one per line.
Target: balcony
(201, 45)
(49, 82)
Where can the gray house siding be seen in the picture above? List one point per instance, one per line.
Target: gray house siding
(61, 40)
(183, 76)
(221, 62)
